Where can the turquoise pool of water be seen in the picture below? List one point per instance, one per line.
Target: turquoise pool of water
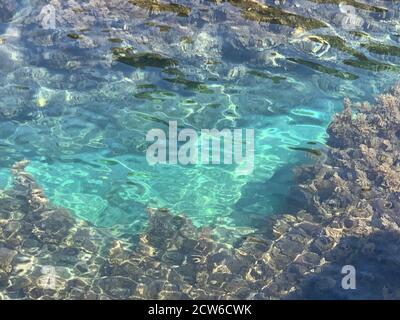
(82, 122)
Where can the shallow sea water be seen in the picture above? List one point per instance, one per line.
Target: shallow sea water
(80, 115)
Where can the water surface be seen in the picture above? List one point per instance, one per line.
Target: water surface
(78, 100)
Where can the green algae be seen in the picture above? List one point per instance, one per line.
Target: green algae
(353, 3)
(74, 36)
(337, 43)
(255, 11)
(161, 27)
(190, 84)
(154, 6)
(146, 86)
(143, 59)
(115, 40)
(359, 34)
(189, 101)
(371, 65)
(361, 61)
(166, 93)
(314, 152)
(148, 95)
(211, 62)
(324, 69)
(341, 45)
(154, 94)
(109, 162)
(383, 49)
(214, 105)
(79, 10)
(174, 72)
(151, 118)
(24, 88)
(260, 74)
(145, 95)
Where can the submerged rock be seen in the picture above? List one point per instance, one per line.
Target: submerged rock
(6, 258)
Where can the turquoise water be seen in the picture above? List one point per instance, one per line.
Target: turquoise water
(80, 115)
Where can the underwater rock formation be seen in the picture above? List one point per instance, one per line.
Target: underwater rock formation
(352, 218)
(354, 205)
(38, 241)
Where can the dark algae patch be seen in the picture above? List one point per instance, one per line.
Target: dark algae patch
(190, 84)
(74, 36)
(264, 75)
(180, 79)
(381, 48)
(143, 59)
(337, 43)
(361, 60)
(359, 34)
(324, 69)
(110, 162)
(153, 94)
(115, 40)
(353, 3)
(146, 86)
(174, 72)
(371, 65)
(314, 152)
(256, 11)
(154, 7)
(161, 27)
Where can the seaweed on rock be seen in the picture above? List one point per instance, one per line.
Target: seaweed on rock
(255, 11)
(154, 6)
(36, 237)
(355, 4)
(141, 60)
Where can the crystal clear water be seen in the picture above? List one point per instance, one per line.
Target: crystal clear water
(80, 115)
